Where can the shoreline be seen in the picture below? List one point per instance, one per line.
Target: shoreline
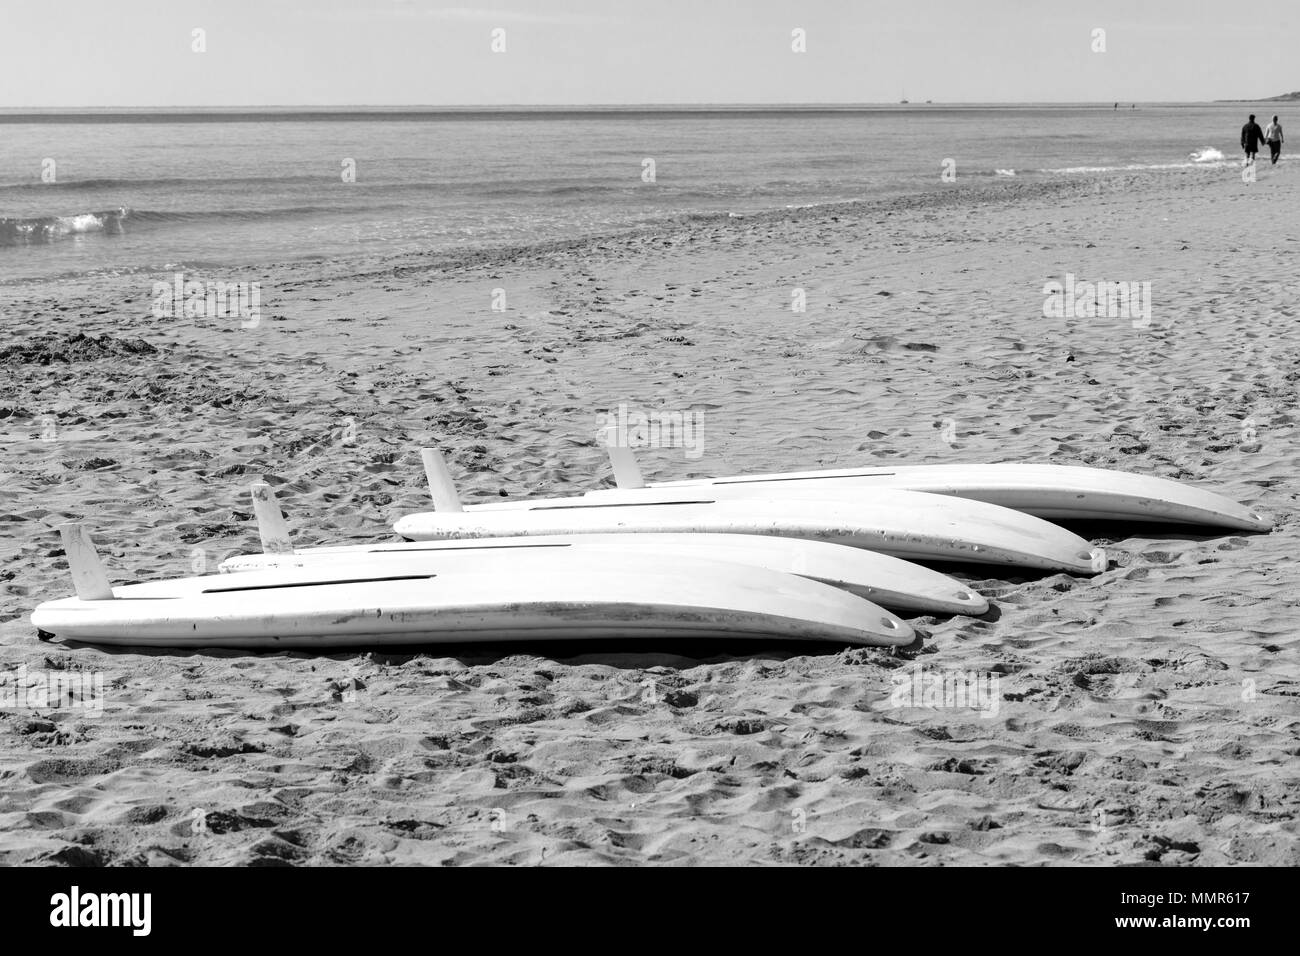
(985, 190)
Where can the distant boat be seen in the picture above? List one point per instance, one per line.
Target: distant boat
(903, 101)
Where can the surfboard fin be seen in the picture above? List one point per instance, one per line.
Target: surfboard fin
(627, 473)
(441, 488)
(89, 576)
(271, 526)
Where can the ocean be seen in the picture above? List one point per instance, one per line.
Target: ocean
(108, 192)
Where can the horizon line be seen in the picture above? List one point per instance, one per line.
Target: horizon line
(539, 107)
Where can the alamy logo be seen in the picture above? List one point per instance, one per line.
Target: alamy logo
(47, 690)
(936, 690)
(626, 427)
(74, 909)
(1089, 300)
(208, 300)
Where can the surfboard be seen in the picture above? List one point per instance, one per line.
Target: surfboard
(506, 594)
(888, 581)
(1046, 491)
(904, 524)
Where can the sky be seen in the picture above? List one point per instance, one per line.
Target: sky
(123, 53)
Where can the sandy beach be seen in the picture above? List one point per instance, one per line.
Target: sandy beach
(1145, 716)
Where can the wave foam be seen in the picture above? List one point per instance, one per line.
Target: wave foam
(41, 229)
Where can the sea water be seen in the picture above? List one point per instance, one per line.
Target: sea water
(118, 191)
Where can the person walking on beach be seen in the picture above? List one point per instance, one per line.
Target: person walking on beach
(1273, 136)
(1251, 134)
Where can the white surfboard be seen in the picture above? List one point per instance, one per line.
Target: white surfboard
(1047, 491)
(503, 595)
(903, 524)
(890, 582)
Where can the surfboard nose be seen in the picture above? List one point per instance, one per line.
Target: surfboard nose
(1257, 521)
(975, 603)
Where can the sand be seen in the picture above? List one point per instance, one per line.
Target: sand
(1144, 716)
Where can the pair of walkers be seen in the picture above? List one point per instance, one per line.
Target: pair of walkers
(1252, 135)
